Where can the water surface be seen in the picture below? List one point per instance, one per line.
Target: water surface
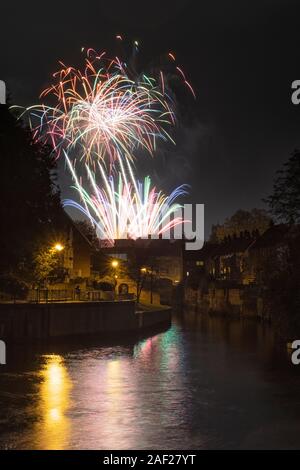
(205, 383)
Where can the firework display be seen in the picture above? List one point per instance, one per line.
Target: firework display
(101, 112)
(101, 119)
(123, 207)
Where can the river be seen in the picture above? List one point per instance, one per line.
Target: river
(205, 383)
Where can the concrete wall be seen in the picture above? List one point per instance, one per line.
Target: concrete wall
(29, 321)
(146, 297)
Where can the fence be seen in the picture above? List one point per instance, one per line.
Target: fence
(65, 295)
(50, 295)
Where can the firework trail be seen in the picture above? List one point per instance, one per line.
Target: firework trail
(123, 207)
(102, 113)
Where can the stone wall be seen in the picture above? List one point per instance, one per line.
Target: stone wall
(224, 300)
(41, 321)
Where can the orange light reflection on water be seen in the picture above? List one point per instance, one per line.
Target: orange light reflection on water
(53, 428)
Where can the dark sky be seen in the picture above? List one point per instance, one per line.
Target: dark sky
(240, 56)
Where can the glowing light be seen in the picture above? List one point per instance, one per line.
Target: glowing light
(102, 111)
(124, 207)
(106, 110)
(53, 430)
(54, 414)
(115, 263)
(101, 114)
(58, 247)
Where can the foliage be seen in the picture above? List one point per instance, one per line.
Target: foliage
(46, 263)
(282, 290)
(105, 286)
(284, 202)
(13, 286)
(29, 197)
(241, 221)
(141, 260)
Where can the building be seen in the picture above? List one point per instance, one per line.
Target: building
(232, 277)
(165, 257)
(225, 261)
(76, 250)
(77, 256)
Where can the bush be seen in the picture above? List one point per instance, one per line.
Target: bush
(13, 286)
(105, 286)
(282, 294)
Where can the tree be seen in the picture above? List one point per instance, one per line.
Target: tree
(282, 289)
(29, 196)
(139, 264)
(241, 221)
(86, 228)
(284, 202)
(46, 261)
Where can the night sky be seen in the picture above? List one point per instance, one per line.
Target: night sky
(241, 58)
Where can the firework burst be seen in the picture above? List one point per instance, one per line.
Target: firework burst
(123, 207)
(102, 113)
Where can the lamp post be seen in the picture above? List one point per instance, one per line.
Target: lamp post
(146, 271)
(142, 280)
(58, 247)
(115, 264)
(151, 286)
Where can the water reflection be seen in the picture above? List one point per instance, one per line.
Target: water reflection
(204, 383)
(53, 426)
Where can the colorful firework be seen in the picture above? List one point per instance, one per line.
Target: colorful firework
(123, 207)
(106, 111)
(102, 112)
(102, 115)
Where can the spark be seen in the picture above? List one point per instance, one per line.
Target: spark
(123, 207)
(102, 112)
(105, 111)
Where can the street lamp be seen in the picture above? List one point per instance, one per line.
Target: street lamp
(55, 252)
(58, 247)
(115, 264)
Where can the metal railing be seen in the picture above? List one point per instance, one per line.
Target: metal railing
(68, 295)
(65, 295)
(50, 295)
